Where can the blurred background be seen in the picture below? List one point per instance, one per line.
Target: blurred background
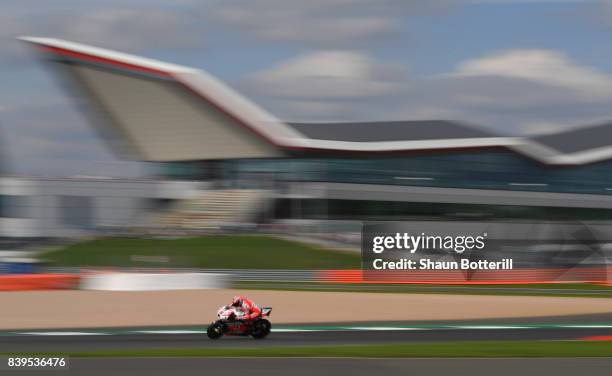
(450, 111)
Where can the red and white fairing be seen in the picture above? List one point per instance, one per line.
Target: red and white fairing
(230, 313)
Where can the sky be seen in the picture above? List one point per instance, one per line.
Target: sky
(515, 66)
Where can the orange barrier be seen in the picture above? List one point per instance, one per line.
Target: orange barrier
(24, 282)
(597, 275)
(596, 338)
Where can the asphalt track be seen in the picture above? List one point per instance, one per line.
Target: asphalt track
(20, 343)
(526, 329)
(332, 366)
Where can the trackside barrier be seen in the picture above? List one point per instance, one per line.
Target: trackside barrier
(596, 275)
(153, 281)
(243, 275)
(24, 282)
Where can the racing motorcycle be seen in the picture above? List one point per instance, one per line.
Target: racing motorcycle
(229, 322)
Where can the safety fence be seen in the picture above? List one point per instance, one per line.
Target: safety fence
(255, 275)
(72, 278)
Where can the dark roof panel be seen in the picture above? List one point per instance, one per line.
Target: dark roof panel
(389, 131)
(577, 140)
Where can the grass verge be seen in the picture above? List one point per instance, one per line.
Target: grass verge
(231, 252)
(481, 349)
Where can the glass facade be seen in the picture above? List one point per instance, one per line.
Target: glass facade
(13, 206)
(498, 170)
(395, 210)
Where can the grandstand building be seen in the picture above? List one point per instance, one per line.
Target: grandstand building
(194, 127)
(41, 208)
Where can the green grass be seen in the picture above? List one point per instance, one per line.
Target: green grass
(235, 252)
(482, 349)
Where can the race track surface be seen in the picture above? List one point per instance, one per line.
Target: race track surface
(337, 366)
(50, 343)
(554, 328)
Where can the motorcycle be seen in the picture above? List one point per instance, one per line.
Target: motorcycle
(229, 322)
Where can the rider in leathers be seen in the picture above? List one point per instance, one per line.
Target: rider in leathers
(250, 309)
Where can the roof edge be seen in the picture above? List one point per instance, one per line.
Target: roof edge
(206, 86)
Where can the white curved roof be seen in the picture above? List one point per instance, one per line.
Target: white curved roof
(158, 111)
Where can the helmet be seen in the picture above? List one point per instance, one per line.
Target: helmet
(237, 301)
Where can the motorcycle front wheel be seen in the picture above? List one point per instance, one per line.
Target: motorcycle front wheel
(215, 330)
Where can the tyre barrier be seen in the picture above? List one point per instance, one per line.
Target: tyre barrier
(153, 281)
(26, 282)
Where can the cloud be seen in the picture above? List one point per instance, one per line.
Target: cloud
(329, 74)
(44, 134)
(541, 66)
(518, 91)
(324, 83)
(320, 22)
(124, 28)
(331, 23)
(514, 91)
(338, 79)
(133, 27)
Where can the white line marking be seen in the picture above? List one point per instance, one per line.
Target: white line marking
(382, 328)
(169, 331)
(529, 184)
(489, 327)
(412, 178)
(339, 328)
(289, 330)
(586, 326)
